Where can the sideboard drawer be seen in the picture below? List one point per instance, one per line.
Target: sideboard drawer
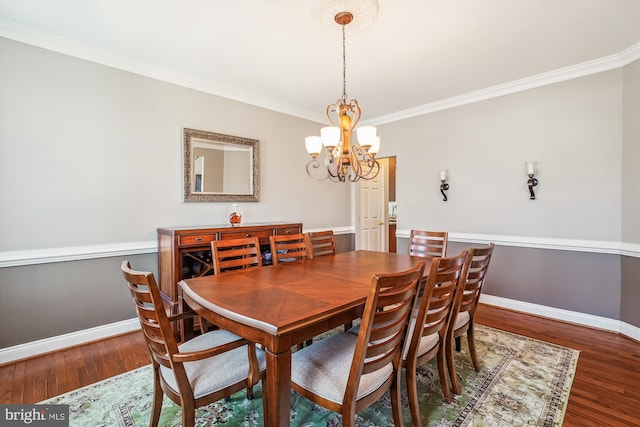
(241, 234)
(288, 230)
(195, 239)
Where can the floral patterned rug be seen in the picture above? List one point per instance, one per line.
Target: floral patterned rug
(521, 382)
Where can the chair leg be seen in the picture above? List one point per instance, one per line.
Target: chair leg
(157, 398)
(443, 374)
(458, 344)
(451, 365)
(412, 392)
(472, 347)
(396, 401)
(348, 416)
(348, 326)
(188, 414)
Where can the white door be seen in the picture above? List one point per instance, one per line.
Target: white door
(371, 228)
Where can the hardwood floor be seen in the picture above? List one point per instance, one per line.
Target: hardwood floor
(605, 391)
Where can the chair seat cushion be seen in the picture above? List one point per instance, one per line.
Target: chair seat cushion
(217, 372)
(426, 343)
(323, 368)
(461, 320)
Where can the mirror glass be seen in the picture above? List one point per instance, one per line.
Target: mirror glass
(220, 168)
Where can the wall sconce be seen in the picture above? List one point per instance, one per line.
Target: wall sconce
(443, 184)
(531, 182)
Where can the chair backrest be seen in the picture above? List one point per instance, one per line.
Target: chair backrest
(321, 243)
(428, 243)
(437, 300)
(384, 323)
(468, 294)
(289, 247)
(235, 254)
(156, 328)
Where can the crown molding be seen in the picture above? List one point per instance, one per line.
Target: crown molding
(29, 35)
(607, 63)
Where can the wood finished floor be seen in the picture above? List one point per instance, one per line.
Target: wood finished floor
(605, 391)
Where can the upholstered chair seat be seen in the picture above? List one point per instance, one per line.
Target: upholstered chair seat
(323, 369)
(213, 374)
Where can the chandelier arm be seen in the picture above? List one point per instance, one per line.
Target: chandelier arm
(332, 108)
(315, 164)
(357, 112)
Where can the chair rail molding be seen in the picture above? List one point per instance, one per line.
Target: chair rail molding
(575, 245)
(76, 253)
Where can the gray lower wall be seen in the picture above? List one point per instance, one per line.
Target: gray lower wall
(47, 300)
(577, 281)
(598, 284)
(42, 301)
(630, 290)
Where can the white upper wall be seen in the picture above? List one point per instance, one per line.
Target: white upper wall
(92, 155)
(572, 130)
(631, 155)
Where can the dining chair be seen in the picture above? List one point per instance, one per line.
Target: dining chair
(428, 326)
(428, 243)
(466, 303)
(235, 254)
(194, 373)
(289, 247)
(348, 372)
(321, 243)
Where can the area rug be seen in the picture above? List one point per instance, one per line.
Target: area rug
(522, 381)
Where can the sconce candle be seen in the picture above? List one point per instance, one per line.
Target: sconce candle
(443, 175)
(530, 169)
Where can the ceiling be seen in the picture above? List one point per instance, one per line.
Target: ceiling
(276, 53)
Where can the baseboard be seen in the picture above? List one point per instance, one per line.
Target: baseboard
(35, 348)
(590, 320)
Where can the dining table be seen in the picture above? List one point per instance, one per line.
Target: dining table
(283, 305)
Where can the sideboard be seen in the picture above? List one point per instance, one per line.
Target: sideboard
(185, 252)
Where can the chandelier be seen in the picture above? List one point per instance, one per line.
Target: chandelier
(343, 159)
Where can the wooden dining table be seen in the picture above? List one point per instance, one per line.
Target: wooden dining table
(286, 304)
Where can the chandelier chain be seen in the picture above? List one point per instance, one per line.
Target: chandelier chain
(344, 65)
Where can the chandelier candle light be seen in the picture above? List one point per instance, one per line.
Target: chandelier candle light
(344, 159)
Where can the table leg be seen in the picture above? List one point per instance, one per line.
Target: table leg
(278, 405)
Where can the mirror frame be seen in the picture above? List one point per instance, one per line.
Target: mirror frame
(190, 196)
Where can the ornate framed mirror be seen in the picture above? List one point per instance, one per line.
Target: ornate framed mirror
(220, 168)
